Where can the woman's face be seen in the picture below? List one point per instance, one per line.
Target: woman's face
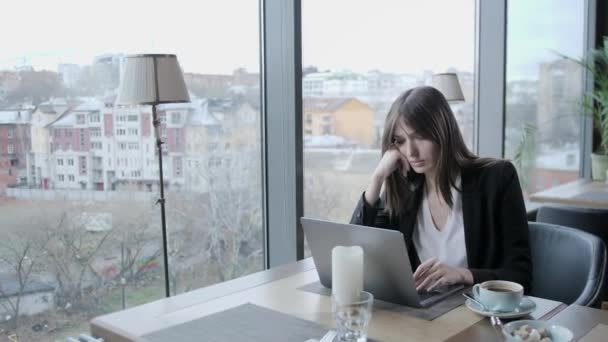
(422, 154)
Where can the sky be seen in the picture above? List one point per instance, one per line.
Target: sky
(538, 30)
(218, 36)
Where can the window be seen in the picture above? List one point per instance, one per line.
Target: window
(68, 133)
(543, 92)
(163, 117)
(11, 132)
(70, 162)
(178, 166)
(81, 138)
(175, 118)
(211, 74)
(10, 149)
(83, 165)
(347, 93)
(59, 162)
(95, 131)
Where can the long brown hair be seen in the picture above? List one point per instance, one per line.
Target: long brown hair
(426, 110)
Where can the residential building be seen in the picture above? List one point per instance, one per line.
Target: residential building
(70, 74)
(14, 146)
(560, 87)
(40, 151)
(344, 117)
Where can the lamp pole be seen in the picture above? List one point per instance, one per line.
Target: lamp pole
(161, 200)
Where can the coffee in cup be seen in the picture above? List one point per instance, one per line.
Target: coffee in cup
(499, 295)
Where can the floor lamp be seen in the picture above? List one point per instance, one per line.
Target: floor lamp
(152, 79)
(447, 83)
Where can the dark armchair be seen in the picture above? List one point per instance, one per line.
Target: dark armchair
(569, 265)
(594, 221)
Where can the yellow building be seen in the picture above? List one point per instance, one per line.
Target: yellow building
(345, 117)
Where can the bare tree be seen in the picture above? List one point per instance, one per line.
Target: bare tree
(21, 256)
(135, 236)
(217, 225)
(71, 250)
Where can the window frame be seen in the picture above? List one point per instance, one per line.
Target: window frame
(282, 111)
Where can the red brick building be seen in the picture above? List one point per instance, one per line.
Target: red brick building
(14, 145)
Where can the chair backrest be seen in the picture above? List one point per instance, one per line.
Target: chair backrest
(594, 221)
(569, 265)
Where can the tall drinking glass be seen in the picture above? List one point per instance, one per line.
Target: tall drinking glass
(352, 317)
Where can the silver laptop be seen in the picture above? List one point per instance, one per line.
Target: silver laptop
(387, 270)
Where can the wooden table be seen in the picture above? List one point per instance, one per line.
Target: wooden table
(582, 192)
(277, 289)
(588, 324)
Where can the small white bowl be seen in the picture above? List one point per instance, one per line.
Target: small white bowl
(557, 333)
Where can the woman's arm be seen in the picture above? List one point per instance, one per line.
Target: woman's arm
(370, 210)
(370, 215)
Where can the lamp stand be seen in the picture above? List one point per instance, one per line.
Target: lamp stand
(161, 200)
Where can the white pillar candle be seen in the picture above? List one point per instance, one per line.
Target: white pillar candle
(347, 273)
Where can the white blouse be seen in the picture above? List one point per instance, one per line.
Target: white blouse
(447, 245)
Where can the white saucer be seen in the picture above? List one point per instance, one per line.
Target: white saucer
(526, 307)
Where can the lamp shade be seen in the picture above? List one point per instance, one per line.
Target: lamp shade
(152, 79)
(447, 84)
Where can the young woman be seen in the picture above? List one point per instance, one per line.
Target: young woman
(463, 217)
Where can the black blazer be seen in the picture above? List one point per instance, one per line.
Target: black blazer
(495, 223)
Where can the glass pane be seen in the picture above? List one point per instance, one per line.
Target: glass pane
(357, 59)
(543, 91)
(80, 229)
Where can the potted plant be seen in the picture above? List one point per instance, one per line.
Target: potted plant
(595, 103)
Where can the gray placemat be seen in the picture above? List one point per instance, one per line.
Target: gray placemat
(453, 301)
(593, 196)
(247, 322)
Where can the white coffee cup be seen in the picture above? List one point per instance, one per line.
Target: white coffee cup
(499, 295)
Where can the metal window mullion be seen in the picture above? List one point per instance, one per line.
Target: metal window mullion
(490, 70)
(585, 121)
(282, 130)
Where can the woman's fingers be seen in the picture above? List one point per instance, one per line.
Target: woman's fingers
(422, 268)
(429, 280)
(438, 283)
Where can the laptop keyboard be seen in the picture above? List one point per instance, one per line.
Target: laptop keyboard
(424, 296)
